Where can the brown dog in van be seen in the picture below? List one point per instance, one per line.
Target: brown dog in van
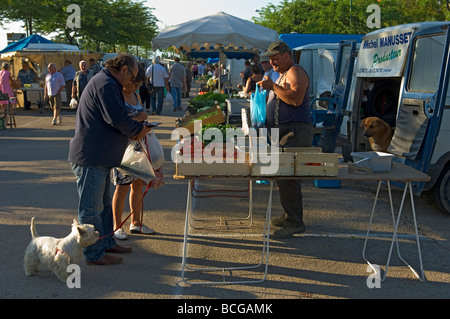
(378, 132)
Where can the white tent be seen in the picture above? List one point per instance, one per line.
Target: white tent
(221, 32)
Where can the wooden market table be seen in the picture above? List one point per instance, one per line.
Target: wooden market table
(399, 173)
(40, 101)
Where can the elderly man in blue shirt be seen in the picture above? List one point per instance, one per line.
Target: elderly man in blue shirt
(68, 71)
(103, 129)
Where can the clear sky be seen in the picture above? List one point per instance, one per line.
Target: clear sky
(172, 12)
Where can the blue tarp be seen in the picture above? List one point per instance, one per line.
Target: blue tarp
(212, 61)
(20, 45)
(294, 40)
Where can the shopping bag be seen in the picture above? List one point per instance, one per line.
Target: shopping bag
(155, 150)
(73, 104)
(169, 98)
(258, 107)
(136, 163)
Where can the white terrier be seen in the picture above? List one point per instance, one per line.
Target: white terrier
(58, 253)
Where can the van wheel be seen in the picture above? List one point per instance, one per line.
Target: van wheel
(441, 190)
(382, 101)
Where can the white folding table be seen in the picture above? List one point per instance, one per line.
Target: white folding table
(399, 173)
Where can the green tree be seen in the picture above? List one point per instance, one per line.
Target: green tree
(345, 16)
(12, 10)
(105, 24)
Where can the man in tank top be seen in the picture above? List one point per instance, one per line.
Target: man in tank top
(288, 109)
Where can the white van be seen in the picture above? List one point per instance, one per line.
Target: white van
(401, 76)
(318, 60)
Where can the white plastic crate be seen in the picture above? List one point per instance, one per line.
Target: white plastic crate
(377, 162)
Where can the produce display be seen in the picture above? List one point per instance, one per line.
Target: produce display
(221, 127)
(204, 77)
(200, 102)
(219, 97)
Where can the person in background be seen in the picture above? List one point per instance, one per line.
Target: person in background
(177, 76)
(68, 72)
(102, 131)
(288, 109)
(27, 75)
(54, 84)
(143, 91)
(268, 69)
(157, 75)
(256, 76)
(5, 86)
(246, 73)
(189, 78)
(81, 79)
(216, 70)
(195, 71)
(137, 112)
(257, 61)
(201, 68)
(93, 66)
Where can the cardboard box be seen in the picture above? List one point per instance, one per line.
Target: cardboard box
(188, 121)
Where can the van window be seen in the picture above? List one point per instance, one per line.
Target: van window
(345, 61)
(427, 63)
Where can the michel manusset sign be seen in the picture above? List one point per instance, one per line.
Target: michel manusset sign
(383, 54)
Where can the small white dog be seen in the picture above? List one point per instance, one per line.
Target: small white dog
(58, 253)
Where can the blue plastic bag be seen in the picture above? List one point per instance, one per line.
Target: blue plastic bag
(258, 107)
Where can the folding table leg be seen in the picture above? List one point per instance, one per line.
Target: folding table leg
(264, 253)
(395, 224)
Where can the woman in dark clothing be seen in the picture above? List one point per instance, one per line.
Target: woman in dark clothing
(256, 76)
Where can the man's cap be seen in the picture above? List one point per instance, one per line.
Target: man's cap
(264, 58)
(277, 47)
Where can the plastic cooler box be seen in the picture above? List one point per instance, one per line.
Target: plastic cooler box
(377, 162)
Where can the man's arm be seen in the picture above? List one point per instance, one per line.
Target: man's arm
(293, 89)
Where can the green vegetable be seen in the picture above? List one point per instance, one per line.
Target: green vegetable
(220, 98)
(221, 127)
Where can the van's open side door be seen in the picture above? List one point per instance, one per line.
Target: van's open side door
(422, 100)
(339, 96)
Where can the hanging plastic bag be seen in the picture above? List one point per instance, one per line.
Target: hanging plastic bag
(73, 104)
(136, 162)
(155, 150)
(157, 158)
(169, 98)
(258, 107)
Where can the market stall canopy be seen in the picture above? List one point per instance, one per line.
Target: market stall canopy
(207, 36)
(41, 51)
(24, 43)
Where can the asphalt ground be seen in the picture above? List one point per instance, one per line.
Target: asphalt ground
(324, 263)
